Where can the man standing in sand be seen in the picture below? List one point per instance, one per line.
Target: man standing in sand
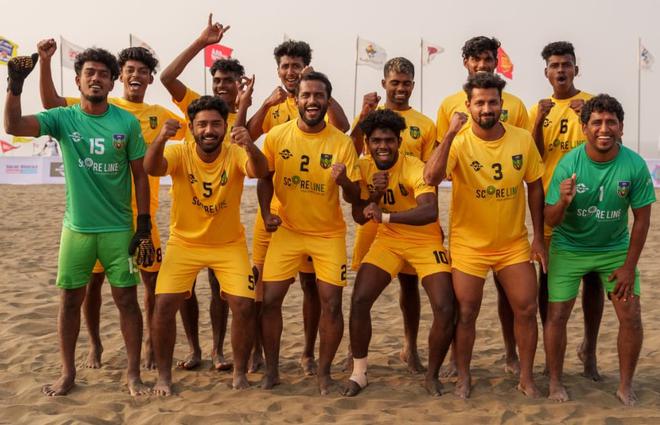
(309, 161)
(489, 164)
(205, 230)
(395, 196)
(557, 130)
(101, 146)
(293, 59)
(591, 190)
(418, 140)
(136, 68)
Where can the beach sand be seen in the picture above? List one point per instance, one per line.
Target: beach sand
(29, 237)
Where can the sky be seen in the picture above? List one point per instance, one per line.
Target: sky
(605, 35)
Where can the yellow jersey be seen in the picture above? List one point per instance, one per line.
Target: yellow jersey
(152, 118)
(206, 197)
(513, 112)
(488, 191)
(183, 105)
(302, 163)
(419, 137)
(405, 184)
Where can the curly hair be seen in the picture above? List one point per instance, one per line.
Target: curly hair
(558, 48)
(97, 55)
(316, 76)
(295, 49)
(475, 46)
(228, 65)
(483, 80)
(206, 103)
(139, 54)
(601, 103)
(383, 119)
(399, 65)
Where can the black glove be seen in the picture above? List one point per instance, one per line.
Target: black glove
(18, 70)
(142, 243)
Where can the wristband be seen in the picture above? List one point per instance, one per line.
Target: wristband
(385, 218)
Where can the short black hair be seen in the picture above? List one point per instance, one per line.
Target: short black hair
(295, 49)
(401, 65)
(206, 103)
(483, 80)
(558, 48)
(316, 76)
(139, 54)
(228, 65)
(601, 103)
(475, 46)
(96, 54)
(383, 119)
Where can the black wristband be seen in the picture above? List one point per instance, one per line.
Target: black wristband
(143, 224)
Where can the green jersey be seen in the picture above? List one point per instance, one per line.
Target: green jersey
(96, 151)
(597, 219)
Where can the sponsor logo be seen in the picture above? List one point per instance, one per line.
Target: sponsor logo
(504, 116)
(501, 194)
(601, 215)
(415, 132)
(22, 169)
(476, 166)
(286, 154)
(326, 160)
(564, 145)
(304, 185)
(546, 122)
(119, 141)
(99, 167)
(192, 179)
(581, 188)
(153, 122)
(517, 161)
(75, 136)
(623, 188)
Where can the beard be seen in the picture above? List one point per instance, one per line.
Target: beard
(95, 99)
(487, 122)
(313, 122)
(205, 147)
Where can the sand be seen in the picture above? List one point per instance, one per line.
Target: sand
(29, 236)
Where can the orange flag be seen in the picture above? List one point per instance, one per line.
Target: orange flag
(504, 64)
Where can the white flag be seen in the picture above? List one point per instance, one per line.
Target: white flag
(138, 42)
(370, 54)
(286, 37)
(646, 59)
(69, 51)
(430, 51)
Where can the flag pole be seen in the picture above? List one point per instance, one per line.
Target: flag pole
(639, 92)
(204, 73)
(61, 67)
(357, 42)
(421, 75)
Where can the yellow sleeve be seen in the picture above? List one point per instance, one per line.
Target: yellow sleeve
(72, 100)
(416, 180)
(268, 123)
(442, 124)
(269, 152)
(350, 159)
(533, 111)
(189, 97)
(241, 158)
(364, 180)
(535, 167)
(430, 138)
(522, 120)
(172, 155)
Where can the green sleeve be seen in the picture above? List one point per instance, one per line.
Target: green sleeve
(560, 174)
(136, 145)
(643, 192)
(49, 121)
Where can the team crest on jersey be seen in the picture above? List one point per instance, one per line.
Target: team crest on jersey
(326, 160)
(119, 141)
(517, 161)
(192, 179)
(223, 178)
(153, 122)
(623, 188)
(504, 116)
(286, 154)
(75, 136)
(415, 132)
(403, 190)
(476, 165)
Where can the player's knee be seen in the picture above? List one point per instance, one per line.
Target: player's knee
(631, 321)
(467, 313)
(443, 311)
(332, 307)
(71, 302)
(558, 316)
(243, 309)
(527, 311)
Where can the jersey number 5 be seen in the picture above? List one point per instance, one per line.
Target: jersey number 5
(208, 191)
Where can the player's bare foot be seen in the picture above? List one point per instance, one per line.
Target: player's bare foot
(240, 381)
(627, 396)
(191, 362)
(256, 362)
(270, 381)
(352, 389)
(463, 387)
(162, 388)
(60, 387)
(326, 383)
(529, 389)
(449, 370)
(433, 386)
(220, 363)
(411, 359)
(558, 393)
(347, 364)
(136, 387)
(512, 366)
(308, 365)
(590, 364)
(94, 357)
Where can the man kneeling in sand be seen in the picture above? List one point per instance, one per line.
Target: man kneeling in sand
(395, 195)
(205, 230)
(591, 190)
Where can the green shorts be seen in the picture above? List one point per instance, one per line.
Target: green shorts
(566, 269)
(79, 251)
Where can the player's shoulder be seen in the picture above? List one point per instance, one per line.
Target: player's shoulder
(584, 95)
(121, 113)
(519, 133)
(632, 157)
(511, 99)
(418, 118)
(450, 101)
(411, 161)
(281, 130)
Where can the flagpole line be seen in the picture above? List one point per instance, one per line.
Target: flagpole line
(204, 74)
(357, 41)
(639, 92)
(61, 67)
(421, 75)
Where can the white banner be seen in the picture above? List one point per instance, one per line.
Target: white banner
(68, 53)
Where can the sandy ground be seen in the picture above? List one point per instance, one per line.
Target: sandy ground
(29, 236)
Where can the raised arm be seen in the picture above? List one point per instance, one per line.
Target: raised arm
(554, 214)
(435, 169)
(257, 165)
(49, 96)
(212, 34)
(16, 124)
(337, 117)
(542, 111)
(155, 163)
(256, 123)
(369, 103)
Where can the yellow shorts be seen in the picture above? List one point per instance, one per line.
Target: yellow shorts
(364, 238)
(478, 262)
(261, 239)
(229, 262)
(425, 258)
(288, 249)
(158, 259)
